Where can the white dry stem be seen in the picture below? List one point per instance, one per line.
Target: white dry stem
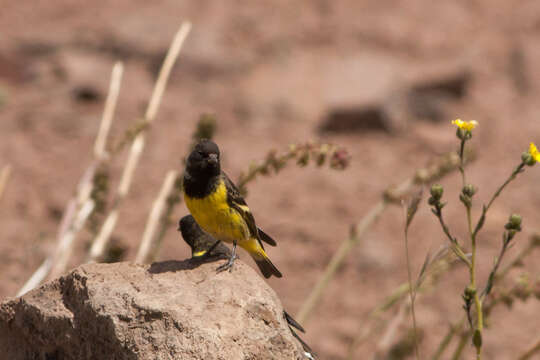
(55, 266)
(391, 333)
(108, 111)
(66, 246)
(148, 239)
(102, 239)
(4, 177)
(80, 207)
(36, 277)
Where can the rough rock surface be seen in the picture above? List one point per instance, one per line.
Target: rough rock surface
(167, 310)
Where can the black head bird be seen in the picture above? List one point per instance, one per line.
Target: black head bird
(204, 159)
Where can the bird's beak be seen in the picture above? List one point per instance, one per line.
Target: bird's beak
(212, 159)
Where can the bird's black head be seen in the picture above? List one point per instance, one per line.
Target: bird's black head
(190, 230)
(204, 159)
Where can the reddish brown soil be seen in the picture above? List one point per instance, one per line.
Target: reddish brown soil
(270, 72)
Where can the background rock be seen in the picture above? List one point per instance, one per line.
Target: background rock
(169, 310)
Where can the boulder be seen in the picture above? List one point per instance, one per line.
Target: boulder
(167, 310)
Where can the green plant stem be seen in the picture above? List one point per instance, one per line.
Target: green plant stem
(485, 209)
(411, 291)
(472, 265)
(453, 330)
(518, 259)
(456, 248)
(461, 160)
(477, 300)
(493, 272)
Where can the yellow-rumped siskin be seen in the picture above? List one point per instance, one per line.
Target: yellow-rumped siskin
(220, 210)
(203, 245)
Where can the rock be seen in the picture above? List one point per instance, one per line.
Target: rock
(362, 117)
(391, 109)
(167, 310)
(432, 97)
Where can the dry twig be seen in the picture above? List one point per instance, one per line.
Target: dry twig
(148, 244)
(102, 239)
(4, 177)
(531, 350)
(80, 207)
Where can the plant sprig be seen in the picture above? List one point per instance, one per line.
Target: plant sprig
(337, 158)
(471, 296)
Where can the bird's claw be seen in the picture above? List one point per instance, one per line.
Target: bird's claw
(228, 265)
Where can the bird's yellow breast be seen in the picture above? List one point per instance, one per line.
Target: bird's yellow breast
(216, 217)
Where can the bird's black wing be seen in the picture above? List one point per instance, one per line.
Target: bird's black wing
(237, 202)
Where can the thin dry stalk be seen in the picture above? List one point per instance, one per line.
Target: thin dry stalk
(338, 257)
(77, 208)
(148, 245)
(66, 246)
(387, 339)
(100, 242)
(37, 277)
(4, 177)
(108, 111)
(55, 264)
(531, 350)
(374, 322)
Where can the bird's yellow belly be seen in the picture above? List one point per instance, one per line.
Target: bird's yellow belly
(216, 217)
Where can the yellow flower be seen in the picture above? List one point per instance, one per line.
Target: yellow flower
(465, 125)
(535, 154)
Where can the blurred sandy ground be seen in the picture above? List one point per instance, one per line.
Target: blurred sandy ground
(272, 72)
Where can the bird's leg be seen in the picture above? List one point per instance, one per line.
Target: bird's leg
(229, 264)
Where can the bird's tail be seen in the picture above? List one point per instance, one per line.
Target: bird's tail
(254, 248)
(267, 268)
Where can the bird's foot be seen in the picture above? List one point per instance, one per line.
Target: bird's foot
(228, 265)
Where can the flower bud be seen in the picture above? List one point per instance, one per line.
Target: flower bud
(303, 160)
(321, 157)
(469, 190)
(514, 222)
(469, 292)
(461, 134)
(437, 191)
(527, 159)
(340, 159)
